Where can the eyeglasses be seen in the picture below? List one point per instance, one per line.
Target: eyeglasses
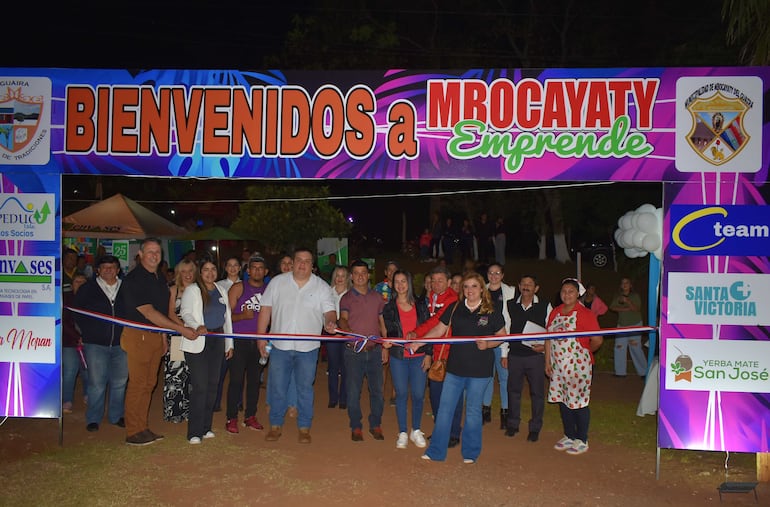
(495, 273)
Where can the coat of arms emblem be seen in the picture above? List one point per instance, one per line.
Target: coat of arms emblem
(19, 118)
(717, 134)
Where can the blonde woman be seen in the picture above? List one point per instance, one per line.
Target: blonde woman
(469, 367)
(335, 350)
(176, 377)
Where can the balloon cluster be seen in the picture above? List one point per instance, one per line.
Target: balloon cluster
(641, 231)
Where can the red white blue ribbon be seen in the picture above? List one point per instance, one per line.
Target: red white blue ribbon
(361, 340)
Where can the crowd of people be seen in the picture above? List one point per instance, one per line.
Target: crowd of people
(295, 313)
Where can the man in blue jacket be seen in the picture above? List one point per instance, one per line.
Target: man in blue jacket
(106, 361)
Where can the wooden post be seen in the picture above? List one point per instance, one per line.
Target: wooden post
(763, 466)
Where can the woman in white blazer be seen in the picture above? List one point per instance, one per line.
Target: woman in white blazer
(205, 308)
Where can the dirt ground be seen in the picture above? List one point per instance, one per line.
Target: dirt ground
(245, 470)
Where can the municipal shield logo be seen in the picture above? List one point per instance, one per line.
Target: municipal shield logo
(717, 133)
(25, 120)
(19, 118)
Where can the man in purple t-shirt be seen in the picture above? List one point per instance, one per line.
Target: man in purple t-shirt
(360, 309)
(245, 301)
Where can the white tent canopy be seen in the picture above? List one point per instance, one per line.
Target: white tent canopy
(118, 217)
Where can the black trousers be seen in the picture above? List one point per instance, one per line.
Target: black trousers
(533, 369)
(244, 363)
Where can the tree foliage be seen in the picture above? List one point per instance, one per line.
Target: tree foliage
(748, 25)
(285, 216)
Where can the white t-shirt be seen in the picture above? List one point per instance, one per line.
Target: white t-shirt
(296, 310)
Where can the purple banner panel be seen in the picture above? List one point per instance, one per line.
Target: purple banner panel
(715, 348)
(636, 124)
(30, 293)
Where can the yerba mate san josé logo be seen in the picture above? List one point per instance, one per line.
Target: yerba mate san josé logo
(682, 367)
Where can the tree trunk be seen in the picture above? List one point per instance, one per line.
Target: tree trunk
(541, 246)
(553, 197)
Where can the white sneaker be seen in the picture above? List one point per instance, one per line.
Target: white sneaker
(209, 434)
(403, 440)
(418, 438)
(564, 444)
(195, 440)
(469, 461)
(578, 447)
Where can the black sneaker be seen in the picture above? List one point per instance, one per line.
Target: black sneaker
(453, 441)
(141, 438)
(533, 436)
(121, 423)
(154, 435)
(92, 427)
(511, 431)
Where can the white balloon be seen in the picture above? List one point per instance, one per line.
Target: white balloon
(645, 208)
(634, 252)
(647, 222)
(626, 221)
(639, 238)
(628, 239)
(651, 242)
(618, 234)
(658, 253)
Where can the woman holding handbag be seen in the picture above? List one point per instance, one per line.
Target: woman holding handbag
(408, 365)
(468, 367)
(569, 365)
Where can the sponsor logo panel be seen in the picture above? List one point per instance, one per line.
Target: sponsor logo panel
(703, 298)
(27, 216)
(27, 279)
(28, 339)
(718, 365)
(25, 120)
(720, 230)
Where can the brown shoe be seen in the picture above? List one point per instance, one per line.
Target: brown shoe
(377, 433)
(304, 436)
(141, 438)
(274, 434)
(357, 435)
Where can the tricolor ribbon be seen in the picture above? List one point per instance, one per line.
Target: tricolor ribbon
(361, 340)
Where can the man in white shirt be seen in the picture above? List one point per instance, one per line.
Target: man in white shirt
(294, 303)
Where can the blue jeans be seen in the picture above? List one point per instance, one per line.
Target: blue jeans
(435, 389)
(408, 377)
(632, 343)
(360, 365)
(106, 366)
(502, 379)
(453, 390)
(335, 354)
(283, 365)
(70, 366)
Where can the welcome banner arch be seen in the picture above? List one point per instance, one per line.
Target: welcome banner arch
(702, 132)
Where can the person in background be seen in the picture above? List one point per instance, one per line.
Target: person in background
(500, 293)
(628, 306)
(101, 344)
(485, 232)
(456, 282)
(232, 276)
(72, 343)
(467, 239)
(69, 268)
(84, 267)
(206, 309)
(426, 286)
(592, 301)
(424, 243)
(568, 365)
(176, 374)
(335, 350)
(245, 302)
(244, 261)
(385, 287)
(468, 368)
(328, 268)
(500, 241)
(409, 367)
